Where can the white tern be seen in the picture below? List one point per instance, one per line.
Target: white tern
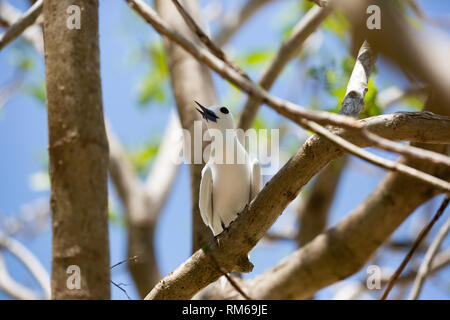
(226, 188)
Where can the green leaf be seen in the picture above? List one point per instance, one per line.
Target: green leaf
(37, 91)
(154, 86)
(371, 107)
(141, 156)
(260, 123)
(337, 23)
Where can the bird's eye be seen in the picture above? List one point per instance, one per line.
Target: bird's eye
(224, 110)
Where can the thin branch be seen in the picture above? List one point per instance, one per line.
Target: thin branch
(131, 259)
(29, 260)
(205, 39)
(119, 286)
(320, 3)
(277, 236)
(441, 261)
(12, 287)
(164, 169)
(288, 50)
(426, 265)
(33, 34)
(16, 29)
(286, 108)
(234, 20)
(391, 95)
(407, 150)
(416, 243)
(379, 161)
(230, 279)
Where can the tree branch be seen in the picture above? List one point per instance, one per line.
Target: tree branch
(344, 249)
(286, 108)
(205, 39)
(21, 24)
(288, 50)
(426, 265)
(31, 263)
(283, 107)
(253, 223)
(423, 54)
(313, 209)
(423, 233)
(235, 20)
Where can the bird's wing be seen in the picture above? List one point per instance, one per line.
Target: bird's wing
(205, 197)
(256, 179)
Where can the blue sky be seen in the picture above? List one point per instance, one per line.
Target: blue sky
(23, 140)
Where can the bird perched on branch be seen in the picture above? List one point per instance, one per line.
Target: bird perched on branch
(230, 179)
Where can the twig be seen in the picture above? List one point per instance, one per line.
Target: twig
(374, 159)
(224, 272)
(274, 236)
(20, 25)
(425, 267)
(416, 244)
(122, 289)
(234, 20)
(205, 39)
(406, 150)
(286, 108)
(12, 287)
(392, 95)
(131, 259)
(287, 51)
(320, 3)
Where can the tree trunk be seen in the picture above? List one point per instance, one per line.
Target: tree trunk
(78, 151)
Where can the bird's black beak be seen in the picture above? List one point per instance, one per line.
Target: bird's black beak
(206, 113)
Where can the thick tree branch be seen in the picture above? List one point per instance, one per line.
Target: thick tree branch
(301, 116)
(313, 209)
(197, 272)
(344, 249)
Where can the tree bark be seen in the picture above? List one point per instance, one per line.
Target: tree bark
(78, 151)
